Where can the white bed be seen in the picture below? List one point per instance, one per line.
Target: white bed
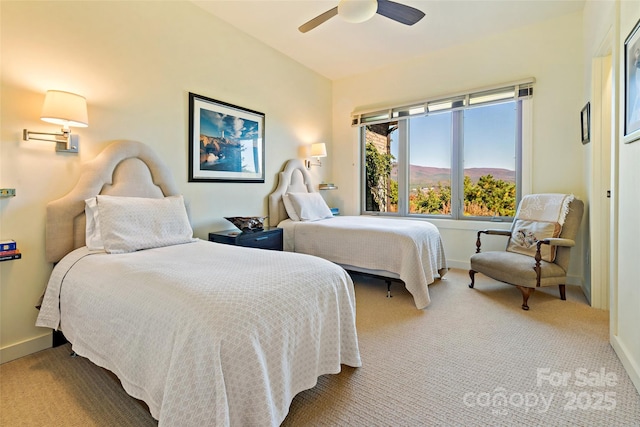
(203, 333)
(391, 248)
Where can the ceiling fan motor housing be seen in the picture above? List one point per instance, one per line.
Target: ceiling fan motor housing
(357, 11)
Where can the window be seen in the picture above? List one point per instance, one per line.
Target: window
(457, 157)
(430, 164)
(381, 145)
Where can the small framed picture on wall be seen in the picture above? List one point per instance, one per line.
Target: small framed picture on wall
(585, 123)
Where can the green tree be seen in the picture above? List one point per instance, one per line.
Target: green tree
(378, 169)
(435, 200)
(489, 197)
(393, 195)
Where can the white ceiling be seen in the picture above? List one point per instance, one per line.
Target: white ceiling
(338, 49)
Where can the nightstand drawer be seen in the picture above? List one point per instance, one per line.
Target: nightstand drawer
(269, 238)
(261, 240)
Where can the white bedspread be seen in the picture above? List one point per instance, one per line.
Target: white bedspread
(207, 334)
(411, 249)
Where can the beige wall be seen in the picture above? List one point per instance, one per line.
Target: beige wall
(550, 52)
(625, 336)
(135, 62)
(606, 26)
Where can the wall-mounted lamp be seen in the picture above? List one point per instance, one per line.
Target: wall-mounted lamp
(318, 150)
(330, 186)
(65, 109)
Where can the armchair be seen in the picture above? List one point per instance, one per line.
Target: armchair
(538, 250)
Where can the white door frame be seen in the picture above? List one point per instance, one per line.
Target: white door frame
(599, 212)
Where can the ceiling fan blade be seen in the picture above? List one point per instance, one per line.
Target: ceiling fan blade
(318, 20)
(399, 12)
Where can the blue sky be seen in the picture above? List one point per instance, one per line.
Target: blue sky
(218, 125)
(490, 126)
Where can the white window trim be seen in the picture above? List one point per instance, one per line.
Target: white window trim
(421, 107)
(525, 187)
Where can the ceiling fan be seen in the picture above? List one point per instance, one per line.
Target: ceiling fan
(357, 11)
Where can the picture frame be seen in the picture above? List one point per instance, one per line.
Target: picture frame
(226, 142)
(585, 123)
(632, 85)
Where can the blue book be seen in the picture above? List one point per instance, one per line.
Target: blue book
(8, 245)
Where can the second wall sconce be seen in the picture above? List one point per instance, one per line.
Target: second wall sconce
(65, 109)
(318, 150)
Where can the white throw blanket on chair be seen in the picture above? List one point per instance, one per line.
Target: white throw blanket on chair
(545, 207)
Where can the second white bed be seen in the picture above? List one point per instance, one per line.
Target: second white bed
(409, 250)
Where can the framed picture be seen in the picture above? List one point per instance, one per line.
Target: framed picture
(585, 123)
(226, 142)
(632, 85)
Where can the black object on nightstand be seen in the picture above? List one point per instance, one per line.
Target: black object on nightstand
(267, 238)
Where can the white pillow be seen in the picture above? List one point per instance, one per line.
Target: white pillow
(310, 206)
(288, 206)
(129, 224)
(93, 238)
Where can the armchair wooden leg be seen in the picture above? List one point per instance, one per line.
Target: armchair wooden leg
(563, 295)
(526, 292)
(472, 275)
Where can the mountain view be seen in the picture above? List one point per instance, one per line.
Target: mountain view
(425, 176)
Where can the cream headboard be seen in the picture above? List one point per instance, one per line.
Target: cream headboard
(124, 168)
(293, 179)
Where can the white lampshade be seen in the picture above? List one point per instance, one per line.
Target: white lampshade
(357, 11)
(318, 149)
(65, 108)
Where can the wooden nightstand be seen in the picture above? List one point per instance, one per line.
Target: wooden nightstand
(268, 238)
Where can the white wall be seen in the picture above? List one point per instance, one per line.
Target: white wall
(135, 62)
(606, 26)
(625, 315)
(548, 51)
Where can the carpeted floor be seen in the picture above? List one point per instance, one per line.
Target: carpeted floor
(472, 358)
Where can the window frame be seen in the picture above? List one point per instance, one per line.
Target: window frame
(520, 92)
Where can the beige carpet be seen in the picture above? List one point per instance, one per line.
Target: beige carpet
(472, 358)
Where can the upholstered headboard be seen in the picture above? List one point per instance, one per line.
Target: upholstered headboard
(124, 168)
(293, 179)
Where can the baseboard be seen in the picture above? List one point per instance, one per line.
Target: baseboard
(586, 290)
(575, 280)
(632, 368)
(25, 348)
(462, 265)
